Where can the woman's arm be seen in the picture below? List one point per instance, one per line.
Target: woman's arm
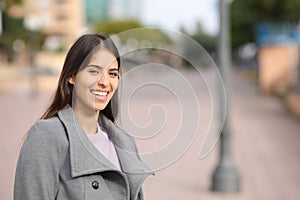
(37, 173)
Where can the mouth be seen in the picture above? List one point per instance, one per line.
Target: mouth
(98, 93)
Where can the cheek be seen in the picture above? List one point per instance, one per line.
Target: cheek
(82, 85)
(86, 81)
(115, 84)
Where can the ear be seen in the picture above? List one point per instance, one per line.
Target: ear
(71, 80)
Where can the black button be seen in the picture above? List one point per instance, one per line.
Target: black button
(95, 185)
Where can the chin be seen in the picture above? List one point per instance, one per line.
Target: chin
(99, 108)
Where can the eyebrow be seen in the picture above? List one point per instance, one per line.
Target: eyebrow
(93, 65)
(97, 66)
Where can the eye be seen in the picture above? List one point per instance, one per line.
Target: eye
(93, 72)
(114, 74)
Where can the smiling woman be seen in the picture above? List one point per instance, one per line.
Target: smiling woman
(76, 151)
(94, 85)
(85, 52)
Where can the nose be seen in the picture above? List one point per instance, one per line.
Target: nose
(103, 80)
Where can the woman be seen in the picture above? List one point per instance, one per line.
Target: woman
(76, 151)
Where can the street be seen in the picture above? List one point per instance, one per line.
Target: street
(264, 136)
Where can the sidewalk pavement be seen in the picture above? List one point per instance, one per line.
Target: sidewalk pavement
(265, 149)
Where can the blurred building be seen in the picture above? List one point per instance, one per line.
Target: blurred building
(125, 9)
(64, 20)
(96, 10)
(279, 61)
(61, 20)
(101, 10)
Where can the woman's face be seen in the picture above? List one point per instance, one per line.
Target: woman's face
(95, 84)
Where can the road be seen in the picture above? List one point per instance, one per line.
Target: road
(265, 137)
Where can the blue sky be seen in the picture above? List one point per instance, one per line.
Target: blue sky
(175, 13)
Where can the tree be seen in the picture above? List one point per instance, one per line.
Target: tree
(117, 26)
(206, 40)
(246, 14)
(12, 29)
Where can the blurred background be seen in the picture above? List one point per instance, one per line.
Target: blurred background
(264, 82)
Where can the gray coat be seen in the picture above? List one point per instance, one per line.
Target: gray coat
(57, 161)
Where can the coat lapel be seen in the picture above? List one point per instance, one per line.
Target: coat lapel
(125, 147)
(134, 168)
(84, 157)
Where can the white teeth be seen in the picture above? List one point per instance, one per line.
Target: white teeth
(99, 93)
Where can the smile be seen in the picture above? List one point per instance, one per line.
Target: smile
(99, 93)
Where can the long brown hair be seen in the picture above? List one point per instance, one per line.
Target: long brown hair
(77, 55)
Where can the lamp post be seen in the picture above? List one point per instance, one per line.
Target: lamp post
(1, 28)
(33, 23)
(2, 5)
(225, 177)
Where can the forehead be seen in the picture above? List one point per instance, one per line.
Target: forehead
(103, 57)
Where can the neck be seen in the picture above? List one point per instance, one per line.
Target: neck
(88, 119)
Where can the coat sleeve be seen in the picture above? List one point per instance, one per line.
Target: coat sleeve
(37, 172)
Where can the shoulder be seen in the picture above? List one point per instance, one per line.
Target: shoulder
(51, 127)
(49, 133)
(43, 151)
(48, 125)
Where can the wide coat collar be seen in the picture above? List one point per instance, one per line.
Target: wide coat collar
(86, 159)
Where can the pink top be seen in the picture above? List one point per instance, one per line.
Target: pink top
(105, 146)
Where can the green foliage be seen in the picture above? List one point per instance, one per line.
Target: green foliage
(12, 28)
(245, 14)
(8, 3)
(115, 27)
(207, 41)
